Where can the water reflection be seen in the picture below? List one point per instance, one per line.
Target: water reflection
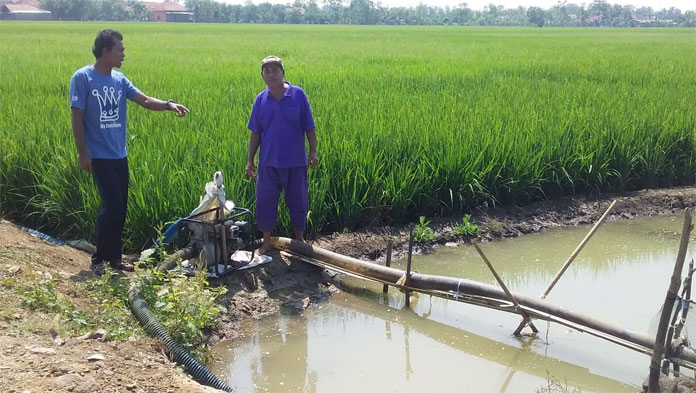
(347, 351)
(272, 359)
(362, 341)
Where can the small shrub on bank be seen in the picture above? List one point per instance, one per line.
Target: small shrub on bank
(40, 294)
(422, 232)
(113, 314)
(467, 228)
(185, 306)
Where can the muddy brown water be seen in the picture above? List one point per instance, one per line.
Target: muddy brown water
(361, 341)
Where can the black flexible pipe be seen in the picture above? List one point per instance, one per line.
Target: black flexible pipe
(192, 366)
(171, 261)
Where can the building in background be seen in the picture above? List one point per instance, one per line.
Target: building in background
(169, 12)
(22, 10)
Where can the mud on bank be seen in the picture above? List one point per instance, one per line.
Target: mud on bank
(31, 361)
(512, 221)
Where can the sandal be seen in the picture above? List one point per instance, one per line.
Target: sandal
(122, 265)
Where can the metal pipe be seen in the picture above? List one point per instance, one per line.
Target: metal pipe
(223, 238)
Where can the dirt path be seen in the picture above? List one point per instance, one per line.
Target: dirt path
(32, 361)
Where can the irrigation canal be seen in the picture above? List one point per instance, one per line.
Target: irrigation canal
(362, 341)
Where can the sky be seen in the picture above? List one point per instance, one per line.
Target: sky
(683, 5)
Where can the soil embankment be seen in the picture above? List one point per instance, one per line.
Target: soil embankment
(31, 360)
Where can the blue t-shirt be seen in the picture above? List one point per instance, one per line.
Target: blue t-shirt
(103, 98)
(282, 125)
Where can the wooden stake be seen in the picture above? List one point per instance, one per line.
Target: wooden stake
(408, 269)
(654, 378)
(577, 251)
(526, 320)
(385, 287)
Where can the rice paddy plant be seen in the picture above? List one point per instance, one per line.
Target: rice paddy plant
(411, 121)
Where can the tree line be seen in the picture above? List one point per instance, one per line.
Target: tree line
(599, 13)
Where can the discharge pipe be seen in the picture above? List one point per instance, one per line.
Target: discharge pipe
(440, 285)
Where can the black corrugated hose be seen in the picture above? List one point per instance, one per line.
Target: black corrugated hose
(192, 366)
(139, 307)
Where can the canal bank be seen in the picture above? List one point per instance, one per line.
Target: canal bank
(284, 286)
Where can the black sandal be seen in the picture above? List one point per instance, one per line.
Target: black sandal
(122, 265)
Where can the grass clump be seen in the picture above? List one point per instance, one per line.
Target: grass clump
(422, 233)
(467, 228)
(185, 306)
(110, 310)
(40, 294)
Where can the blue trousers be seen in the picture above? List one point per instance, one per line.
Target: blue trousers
(269, 182)
(111, 179)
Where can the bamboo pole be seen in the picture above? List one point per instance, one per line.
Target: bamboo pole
(678, 318)
(526, 319)
(687, 299)
(654, 378)
(577, 251)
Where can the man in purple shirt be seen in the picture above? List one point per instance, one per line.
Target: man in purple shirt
(98, 96)
(280, 119)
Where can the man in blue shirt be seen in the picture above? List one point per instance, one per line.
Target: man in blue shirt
(280, 119)
(98, 102)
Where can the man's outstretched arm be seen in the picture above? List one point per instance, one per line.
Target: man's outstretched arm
(155, 104)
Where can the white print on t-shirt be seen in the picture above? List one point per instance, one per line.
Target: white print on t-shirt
(108, 107)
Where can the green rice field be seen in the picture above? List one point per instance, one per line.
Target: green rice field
(411, 121)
